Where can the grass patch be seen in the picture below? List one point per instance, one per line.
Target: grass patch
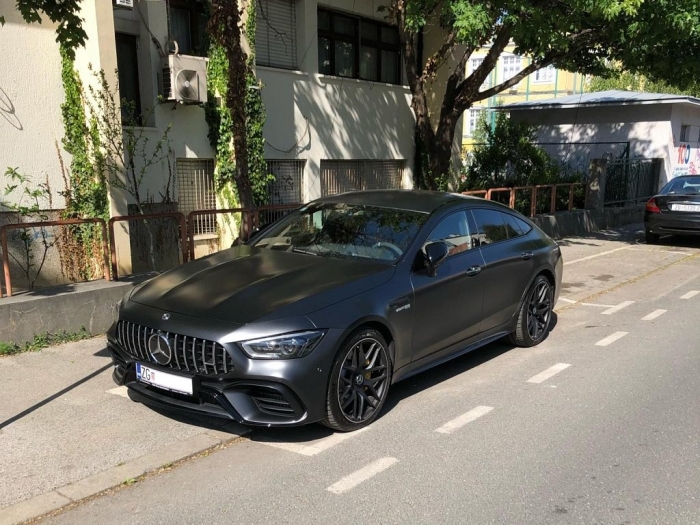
(44, 341)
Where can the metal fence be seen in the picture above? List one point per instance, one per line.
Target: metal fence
(534, 200)
(631, 181)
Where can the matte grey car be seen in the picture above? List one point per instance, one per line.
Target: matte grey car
(315, 317)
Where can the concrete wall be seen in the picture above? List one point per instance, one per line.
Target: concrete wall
(646, 127)
(326, 117)
(684, 157)
(31, 94)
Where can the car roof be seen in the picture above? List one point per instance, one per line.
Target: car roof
(422, 201)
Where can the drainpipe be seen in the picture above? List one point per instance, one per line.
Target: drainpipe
(527, 87)
(556, 82)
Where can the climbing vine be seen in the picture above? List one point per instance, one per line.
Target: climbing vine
(85, 183)
(220, 120)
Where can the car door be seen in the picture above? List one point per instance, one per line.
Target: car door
(509, 263)
(448, 305)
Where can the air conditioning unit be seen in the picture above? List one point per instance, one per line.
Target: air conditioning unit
(125, 4)
(184, 79)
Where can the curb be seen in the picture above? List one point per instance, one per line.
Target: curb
(92, 485)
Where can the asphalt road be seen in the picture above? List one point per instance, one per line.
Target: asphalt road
(599, 424)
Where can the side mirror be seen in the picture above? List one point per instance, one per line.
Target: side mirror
(435, 255)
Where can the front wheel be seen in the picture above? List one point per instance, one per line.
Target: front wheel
(535, 314)
(359, 381)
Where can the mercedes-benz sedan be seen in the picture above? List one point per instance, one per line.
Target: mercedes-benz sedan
(674, 210)
(314, 318)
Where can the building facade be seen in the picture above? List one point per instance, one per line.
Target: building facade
(605, 124)
(545, 83)
(331, 75)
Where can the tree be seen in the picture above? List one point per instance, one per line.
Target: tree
(575, 35)
(626, 81)
(69, 33)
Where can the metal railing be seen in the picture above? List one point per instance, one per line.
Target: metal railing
(246, 215)
(631, 181)
(120, 218)
(530, 205)
(43, 224)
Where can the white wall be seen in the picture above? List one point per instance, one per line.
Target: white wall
(646, 127)
(31, 94)
(685, 156)
(324, 117)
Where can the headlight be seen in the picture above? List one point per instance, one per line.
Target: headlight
(287, 346)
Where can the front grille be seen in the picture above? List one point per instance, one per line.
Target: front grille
(189, 354)
(270, 401)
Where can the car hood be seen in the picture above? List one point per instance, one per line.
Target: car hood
(245, 284)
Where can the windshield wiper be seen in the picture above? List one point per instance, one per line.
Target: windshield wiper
(305, 252)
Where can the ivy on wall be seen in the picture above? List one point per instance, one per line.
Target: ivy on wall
(220, 122)
(85, 192)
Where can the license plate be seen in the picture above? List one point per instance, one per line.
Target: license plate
(164, 380)
(686, 207)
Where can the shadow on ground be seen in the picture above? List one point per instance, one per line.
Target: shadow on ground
(398, 392)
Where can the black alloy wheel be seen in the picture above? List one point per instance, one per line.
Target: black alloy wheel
(535, 314)
(359, 383)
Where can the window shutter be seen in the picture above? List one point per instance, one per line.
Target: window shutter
(275, 34)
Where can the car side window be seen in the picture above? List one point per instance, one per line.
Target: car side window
(491, 226)
(515, 226)
(455, 231)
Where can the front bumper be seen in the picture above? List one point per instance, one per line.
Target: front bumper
(253, 391)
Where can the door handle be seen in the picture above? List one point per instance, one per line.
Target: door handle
(526, 255)
(473, 270)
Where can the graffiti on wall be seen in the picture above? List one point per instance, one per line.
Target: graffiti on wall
(687, 160)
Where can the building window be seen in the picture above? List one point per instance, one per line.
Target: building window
(474, 114)
(195, 188)
(286, 188)
(275, 34)
(545, 75)
(685, 133)
(475, 63)
(339, 176)
(511, 66)
(354, 47)
(188, 26)
(128, 74)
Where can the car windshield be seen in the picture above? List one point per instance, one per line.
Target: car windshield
(344, 231)
(682, 185)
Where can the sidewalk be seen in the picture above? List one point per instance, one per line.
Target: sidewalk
(67, 433)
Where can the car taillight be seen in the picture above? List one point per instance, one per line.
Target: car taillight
(652, 207)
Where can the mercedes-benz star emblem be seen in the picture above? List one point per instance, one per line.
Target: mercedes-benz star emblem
(166, 317)
(159, 348)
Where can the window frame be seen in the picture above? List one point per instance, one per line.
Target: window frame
(134, 62)
(480, 233)
(197, 36)
(550, 77)
(358, 42)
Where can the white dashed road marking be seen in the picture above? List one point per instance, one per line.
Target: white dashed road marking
(314, 447)
(653, 315)
(353, 480)
(617, 308)
(567, 300)
(599, 305)
(551, 371)
(119, 391)
(462, 420)
(611, 338)
(595, 255)
(690, 295)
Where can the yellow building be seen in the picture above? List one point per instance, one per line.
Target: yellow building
(545, 83)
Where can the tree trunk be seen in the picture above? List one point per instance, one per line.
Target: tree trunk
(228, 29)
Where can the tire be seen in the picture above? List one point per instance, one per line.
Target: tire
(651, 238)
(535, 314)
(353, 399)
